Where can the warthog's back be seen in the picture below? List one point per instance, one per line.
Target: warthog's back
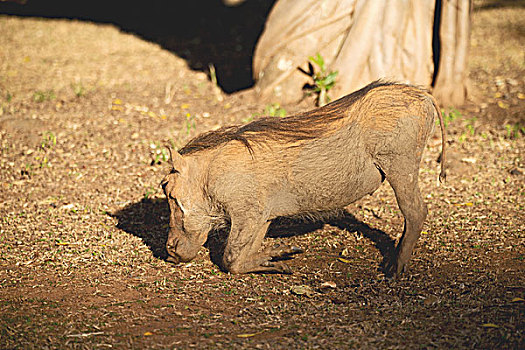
(375, 110)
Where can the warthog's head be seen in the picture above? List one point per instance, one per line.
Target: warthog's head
(188, 229)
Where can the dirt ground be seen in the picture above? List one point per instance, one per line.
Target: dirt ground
(86, 108)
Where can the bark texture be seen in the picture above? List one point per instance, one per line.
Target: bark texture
(363, 40)
(451, 82)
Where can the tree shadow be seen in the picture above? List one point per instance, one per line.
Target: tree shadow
(148, 219)
(203, 32)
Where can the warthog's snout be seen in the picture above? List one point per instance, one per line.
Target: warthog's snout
(180, 249)
(172, 255)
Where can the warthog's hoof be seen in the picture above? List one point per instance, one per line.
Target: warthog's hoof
(281, 251)
(278, 267)
(393, 268)
(172, 259)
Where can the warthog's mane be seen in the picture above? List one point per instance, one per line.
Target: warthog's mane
(303, 126)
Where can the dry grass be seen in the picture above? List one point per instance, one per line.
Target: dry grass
(84, 110)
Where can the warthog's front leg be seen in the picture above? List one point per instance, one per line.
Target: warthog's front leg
(242, 255)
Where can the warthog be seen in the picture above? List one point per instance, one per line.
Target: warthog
(309, 163)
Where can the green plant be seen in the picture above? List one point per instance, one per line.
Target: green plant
(514, 131)
(28, 171)
(248, 119)
(190, 123)
(470, 126)
(450, 117)
(78, 89)
(274, 110)
(323, 80)
(44, 162)
(4, 105)
(41, 96)
(186, 129)
(163, 156)
(48, 140)
(470, 130)
(160, 154)
(216, 88)
(149, 192)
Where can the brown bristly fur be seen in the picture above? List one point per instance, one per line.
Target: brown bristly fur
(304, 126)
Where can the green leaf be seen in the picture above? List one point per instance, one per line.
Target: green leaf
(319, 60)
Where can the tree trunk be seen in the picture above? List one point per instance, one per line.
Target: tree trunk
(363, 40)
(450, 87)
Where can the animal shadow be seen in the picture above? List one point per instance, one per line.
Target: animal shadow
(382, 241)
(286, 227)
(148, 220)
(289, 227)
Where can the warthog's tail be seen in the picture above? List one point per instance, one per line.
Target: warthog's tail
(443, 173)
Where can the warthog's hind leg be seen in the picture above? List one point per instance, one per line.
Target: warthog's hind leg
(405, 185)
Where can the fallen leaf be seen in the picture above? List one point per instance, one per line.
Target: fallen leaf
(469, 160)
(346, 261)
(117, 101)
(490, 325)
(517, 300)
(329, 284)
(430, 300)
(184, 106)
(468, 204)
(67, 206)
(503, 105)
(148, 333)
(302, 290)
(247, 335)
(521, 96)
(48, 200)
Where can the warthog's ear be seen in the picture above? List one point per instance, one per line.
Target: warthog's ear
(177, 161)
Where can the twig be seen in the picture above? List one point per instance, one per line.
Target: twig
(84, 335)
